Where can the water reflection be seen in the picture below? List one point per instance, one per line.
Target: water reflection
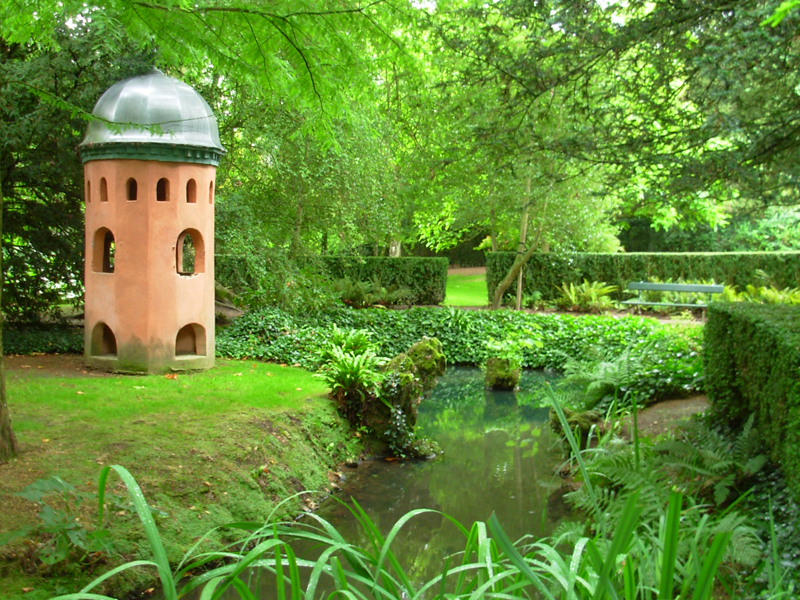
(499, 455)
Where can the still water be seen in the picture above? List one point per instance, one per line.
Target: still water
(499, 455)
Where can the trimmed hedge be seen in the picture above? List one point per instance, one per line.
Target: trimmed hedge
(425, 277)
(752, 365)
(546, 271)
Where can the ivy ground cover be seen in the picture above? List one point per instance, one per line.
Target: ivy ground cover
(673, 366)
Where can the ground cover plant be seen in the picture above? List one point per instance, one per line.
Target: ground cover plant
(544, 340)
(208, 448)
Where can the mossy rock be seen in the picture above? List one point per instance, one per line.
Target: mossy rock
(401, 388)
(223, 295)
(580, 423)
(430, 361)
(502, 374)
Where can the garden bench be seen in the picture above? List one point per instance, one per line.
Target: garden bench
(641, 286)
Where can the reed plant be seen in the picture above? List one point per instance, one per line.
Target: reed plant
(638, 557)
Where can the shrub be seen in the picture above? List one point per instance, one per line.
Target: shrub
(426, 278)
(361, 294)
(43, 339)
(540, 340)
(586, 296)
(271, 278)
(752, 364)
(352, 379)
(545, 272)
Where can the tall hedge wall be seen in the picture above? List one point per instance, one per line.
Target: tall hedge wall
(425, 277)
(752, 365)
(546, 271)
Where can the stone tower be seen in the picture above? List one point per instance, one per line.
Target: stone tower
(149, 168)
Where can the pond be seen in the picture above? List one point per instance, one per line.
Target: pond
(499, 455)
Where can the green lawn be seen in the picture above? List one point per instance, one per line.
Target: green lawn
(207, 448)
(466, 290)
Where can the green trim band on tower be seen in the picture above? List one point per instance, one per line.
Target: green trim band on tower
(152, 151)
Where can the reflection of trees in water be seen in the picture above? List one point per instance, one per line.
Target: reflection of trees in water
(496, 460)
(461, 387)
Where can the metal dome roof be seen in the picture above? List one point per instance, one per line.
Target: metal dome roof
(184, 128)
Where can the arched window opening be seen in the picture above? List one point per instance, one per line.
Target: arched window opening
(191, 191)
(211, 193)
(162, 190)
(88, 191)
(103, 250)
(133, 189)
(103, 190)
(191, 341)
(104, 342)
(190, 253)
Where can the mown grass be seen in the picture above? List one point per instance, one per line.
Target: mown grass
(208, 448)
(466, 290)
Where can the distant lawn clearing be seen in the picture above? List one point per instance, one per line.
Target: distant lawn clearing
(466, 290)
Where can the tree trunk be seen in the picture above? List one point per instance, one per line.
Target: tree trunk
(8, 442)
(523, 237)
(395, 248)
(519, 262)
(493, 228)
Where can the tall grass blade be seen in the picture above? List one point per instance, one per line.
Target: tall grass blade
(151, 531)
(505, 545)
(84, 593)
(576, 451)
(243, 590)
(670, 546)
(211, 588)
(708, 572)
(279, 583)
(620, 544)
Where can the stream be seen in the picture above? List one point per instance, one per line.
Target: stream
(499, 455)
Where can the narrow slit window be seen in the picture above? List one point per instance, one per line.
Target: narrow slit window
(104, 342)
(162, 190)
(88, 191)
(211, 193)
(133, 189)
(103, 190)
(190, 253)
(103, 251)
(191, 191)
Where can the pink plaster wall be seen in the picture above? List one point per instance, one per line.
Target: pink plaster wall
(145, 302)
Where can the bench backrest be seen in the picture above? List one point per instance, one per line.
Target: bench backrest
(676, 287)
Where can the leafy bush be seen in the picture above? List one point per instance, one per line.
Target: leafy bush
(65, 537)
(353, 341)
(762, 295)
(353, 379)
(426, 278)
(668, 365)
(545, 272)
(752, 365)
(42, 339)
(361, 294)
(271, 278)
(586, 296)
(540, 340)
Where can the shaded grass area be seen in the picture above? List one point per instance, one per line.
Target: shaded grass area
(466, 290)
(207, 448)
